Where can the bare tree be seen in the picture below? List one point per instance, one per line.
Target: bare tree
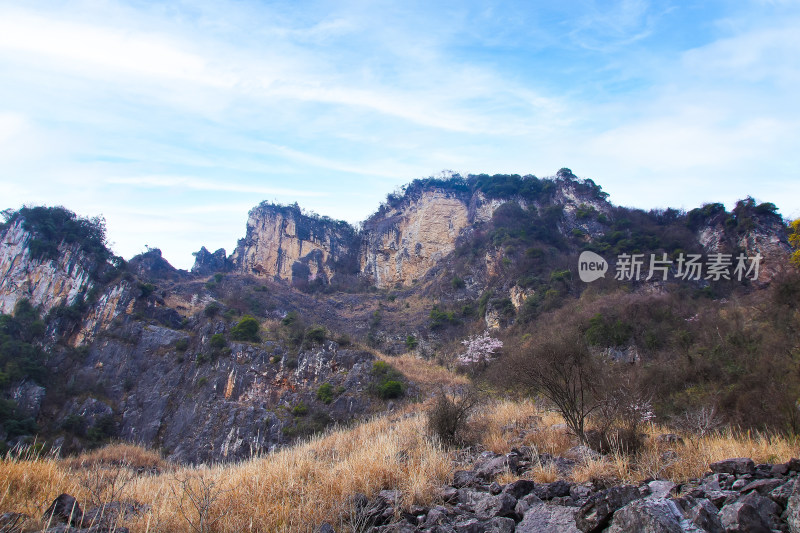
(105, 484)
(561, 369)
(197, 497)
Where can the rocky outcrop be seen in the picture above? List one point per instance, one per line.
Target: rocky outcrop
(402, 244)
(167, 388)
(46, 283)
(284, 243)
(206, 263)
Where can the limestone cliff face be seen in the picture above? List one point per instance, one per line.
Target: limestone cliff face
(45, 283)
(283, 243)
(402, 244)
(766, 237)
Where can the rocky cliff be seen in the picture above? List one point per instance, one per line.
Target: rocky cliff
(408, 236)
(45, 282)
(284, 243)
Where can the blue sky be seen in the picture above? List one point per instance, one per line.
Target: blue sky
(173, 119)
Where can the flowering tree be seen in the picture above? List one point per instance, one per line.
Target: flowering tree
(480, 350)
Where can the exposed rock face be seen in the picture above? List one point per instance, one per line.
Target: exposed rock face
(284, 243)
(45, 283)
(402, 244)
(207, 263)
(115, 300)
(228, 408)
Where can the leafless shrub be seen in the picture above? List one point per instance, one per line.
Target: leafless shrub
(701, 422)
(449, 416)
(197, 497)
(106, 484)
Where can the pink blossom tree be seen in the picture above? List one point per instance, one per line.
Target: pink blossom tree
(480, 350)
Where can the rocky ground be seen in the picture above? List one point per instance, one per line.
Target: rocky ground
(736, 496)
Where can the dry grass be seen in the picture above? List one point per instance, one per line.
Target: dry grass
(292, 490)
(544, 432)
(120, 454)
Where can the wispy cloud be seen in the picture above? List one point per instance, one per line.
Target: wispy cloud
(188, 182)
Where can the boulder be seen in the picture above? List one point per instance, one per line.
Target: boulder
(743, 517)
(492, 468)
(780, 495)
(64, 509)
(705, 515)
(738, 466)
(762, 486)
(793, 508)
(548, 491)
(596, 513)
(464, 478)
(500, 525)
(525, 503)
(651, 516)
(492, 506)
(519, 488)
(545, 518)
(768, 510)
(660, 489)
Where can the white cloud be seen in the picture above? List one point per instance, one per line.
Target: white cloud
(189, 182)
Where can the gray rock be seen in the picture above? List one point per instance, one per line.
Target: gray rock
(780, 469)
(544, 518)
(762, 486)
(651, 516)
(469, 525)
(548, 491)
(780, 495)
(740, 465)
(711, 483)
(501, 505)
(326, 527)
(720, 497)
(449, 494)
(741, 517)
(464, 478)
(705, 515)
(436, 516)
(596, 513)
(492, 468)
(64, 509)
(581, 454)
(580, 493)
(793, 508)
(767, 509)
(526, 503)
(660, 489)
(519, 488)
(739, 484)
(500, 525)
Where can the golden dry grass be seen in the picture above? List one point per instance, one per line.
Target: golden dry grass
(426, 374)
(291, 490)
(117, 454)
